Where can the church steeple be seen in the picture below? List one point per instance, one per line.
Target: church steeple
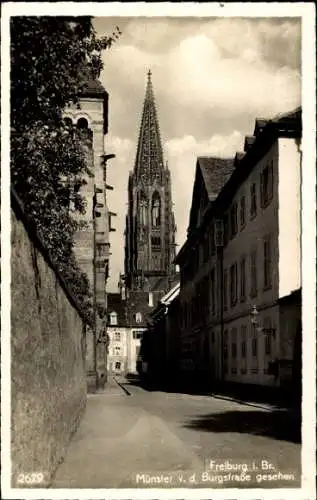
(149, 157)
(150, 226)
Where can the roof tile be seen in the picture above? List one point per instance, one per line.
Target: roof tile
(215, 172)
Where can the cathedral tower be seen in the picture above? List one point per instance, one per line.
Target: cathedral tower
(150, 225)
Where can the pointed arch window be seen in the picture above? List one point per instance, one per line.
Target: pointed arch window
(143, 210)
(156, 210)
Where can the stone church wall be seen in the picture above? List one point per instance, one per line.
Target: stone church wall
(48, 380)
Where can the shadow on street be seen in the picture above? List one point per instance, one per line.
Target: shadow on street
(276, 424)
(245, 395)
(282, 422)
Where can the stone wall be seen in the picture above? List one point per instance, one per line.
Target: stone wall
(48, 381)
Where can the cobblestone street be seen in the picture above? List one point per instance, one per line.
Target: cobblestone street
(157, 439)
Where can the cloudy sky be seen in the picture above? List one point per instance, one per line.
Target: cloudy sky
(212, 77)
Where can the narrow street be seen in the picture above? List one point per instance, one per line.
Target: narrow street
(157, 439)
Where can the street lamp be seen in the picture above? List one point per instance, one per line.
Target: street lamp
(257, 323)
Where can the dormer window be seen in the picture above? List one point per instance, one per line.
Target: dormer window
(113, 318)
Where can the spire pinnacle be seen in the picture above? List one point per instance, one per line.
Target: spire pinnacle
(149, 87)
(149, 158)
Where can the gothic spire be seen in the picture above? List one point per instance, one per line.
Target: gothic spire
(149, 158)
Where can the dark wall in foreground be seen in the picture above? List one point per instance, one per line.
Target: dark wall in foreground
(48, 381)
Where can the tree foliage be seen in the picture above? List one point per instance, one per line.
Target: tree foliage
(51, 59)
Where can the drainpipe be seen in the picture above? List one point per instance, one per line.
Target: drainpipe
(221, 317)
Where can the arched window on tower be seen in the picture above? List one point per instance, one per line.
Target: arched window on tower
(84, 130)
(143, 209)
(156, 210)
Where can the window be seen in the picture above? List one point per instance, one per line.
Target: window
(242, 279)
(243, 341)
(267, 184)
(156, 260)
(267, 268)
(267, 336)
(156, 210)
(117, 365)
(113, 318)
(101, 249)
(268, 344)
(137, 351)
(138, 317)
(137, 335)
(225, 353)
(213, 295)
(233, 284)
(117, 336)
(242, 212)
(254, 347)
(225, 290)
(253, 258)
(234, 343)
(234, 219)
(205, 248)
(225, 229)
(156, 241)
(117, 350)
(212, 246)
(253, 206)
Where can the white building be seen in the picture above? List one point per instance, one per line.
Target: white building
(126, 323)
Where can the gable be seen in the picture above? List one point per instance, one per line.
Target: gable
(199, 200)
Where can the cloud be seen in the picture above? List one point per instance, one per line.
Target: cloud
(201, 77)
(211, 77)
(234, 66)
(182, 155)
(117, 176)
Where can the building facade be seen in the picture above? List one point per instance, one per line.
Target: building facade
(150, 226)
(90, 117)
(127, 322)
(240, 266)
(198, 301)
(160, 342)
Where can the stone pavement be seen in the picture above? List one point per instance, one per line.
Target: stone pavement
(114, 443)
(124, 438)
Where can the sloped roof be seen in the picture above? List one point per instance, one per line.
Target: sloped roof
(116, 304)
(93, 86)
(138, 301)
(279, 119)
(224, 179)
(248, 141)
(126, 309)
(215, 172)
(295, 114)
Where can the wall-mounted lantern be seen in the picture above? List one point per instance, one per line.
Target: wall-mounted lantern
(257, 323)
